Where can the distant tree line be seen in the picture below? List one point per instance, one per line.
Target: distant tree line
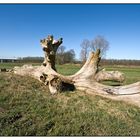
(62, 57)
(30, 59)
(69, 57)
(120, 62)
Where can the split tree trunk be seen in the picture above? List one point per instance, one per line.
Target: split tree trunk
(85, 79)
(50, 47)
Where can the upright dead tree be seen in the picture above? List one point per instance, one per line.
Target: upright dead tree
(50, 47)
(85, 45)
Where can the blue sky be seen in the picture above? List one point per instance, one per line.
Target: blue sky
(22, 27)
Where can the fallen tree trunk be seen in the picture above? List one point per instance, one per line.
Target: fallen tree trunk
(85, 79)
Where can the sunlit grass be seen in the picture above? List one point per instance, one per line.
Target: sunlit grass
(28, 109)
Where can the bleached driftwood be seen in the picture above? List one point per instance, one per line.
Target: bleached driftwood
(85, 79)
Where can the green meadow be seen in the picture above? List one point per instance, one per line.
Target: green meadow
(28, 109)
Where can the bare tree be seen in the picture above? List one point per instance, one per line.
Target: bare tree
(61, 49)
(100, 43)
(60, 54)
(85, 49)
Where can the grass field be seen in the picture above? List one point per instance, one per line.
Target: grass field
(28, 109)
(132, 74)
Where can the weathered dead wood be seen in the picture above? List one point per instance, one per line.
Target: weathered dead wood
(50, 47)
(3, 70)
(104, 75)
(85, 79)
